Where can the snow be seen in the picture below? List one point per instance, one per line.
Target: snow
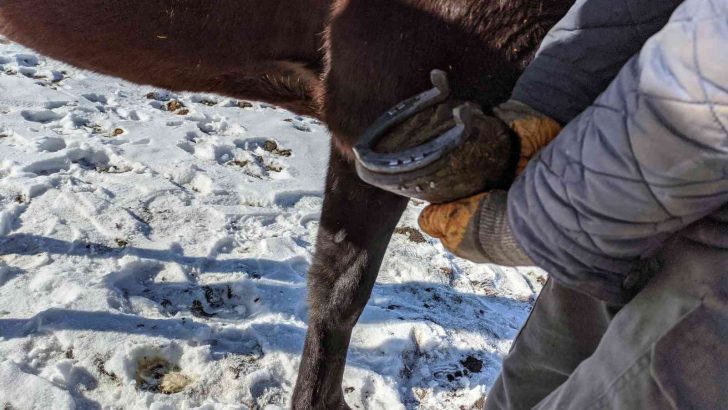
(150, 239)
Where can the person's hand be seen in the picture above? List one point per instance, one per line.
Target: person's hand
(455, 224)
(476, 228)
(534, 129)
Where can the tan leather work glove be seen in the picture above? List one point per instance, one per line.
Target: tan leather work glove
(534, 129)
(476, 228)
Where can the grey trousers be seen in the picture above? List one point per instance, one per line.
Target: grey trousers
(667, 348)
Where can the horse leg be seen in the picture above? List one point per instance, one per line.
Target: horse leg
(356, 224)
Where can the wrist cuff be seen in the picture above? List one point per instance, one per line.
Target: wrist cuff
(495, 235)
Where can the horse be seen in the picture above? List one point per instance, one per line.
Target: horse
(344, 62)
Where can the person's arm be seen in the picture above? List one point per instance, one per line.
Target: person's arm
(584, 51)
(647, 159)
(578, 58)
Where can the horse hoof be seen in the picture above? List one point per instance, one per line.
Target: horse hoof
(481, 160)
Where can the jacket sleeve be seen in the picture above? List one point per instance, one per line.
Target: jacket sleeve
(648, 158)
(583, 52)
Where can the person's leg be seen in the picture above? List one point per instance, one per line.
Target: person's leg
(563, 329)
(667, 348)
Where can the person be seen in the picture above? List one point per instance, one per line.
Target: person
(626, 209)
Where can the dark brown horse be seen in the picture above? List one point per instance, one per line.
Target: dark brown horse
(342, 61)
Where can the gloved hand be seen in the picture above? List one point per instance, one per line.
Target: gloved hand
(476, 228)
(534, 129)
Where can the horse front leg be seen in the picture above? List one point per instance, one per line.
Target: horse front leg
(356, 224)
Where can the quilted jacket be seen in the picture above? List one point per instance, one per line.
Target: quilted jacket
(643, 86)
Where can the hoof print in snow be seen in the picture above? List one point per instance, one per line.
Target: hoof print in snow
(176, 106)
(199, 311)
(302, 123)
(41, 116)
(272, 147)
(208, 102)
(157, 96)
(216, 296)
(473, 364)
(273, 168)
(451, 377)
(157, 375)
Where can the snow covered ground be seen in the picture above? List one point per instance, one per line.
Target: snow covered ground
(154, 249)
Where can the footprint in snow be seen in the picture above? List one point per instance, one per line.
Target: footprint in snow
(266, 391)
(96, 98)
(52, 105)
(50, 144)
(157, 375)
(158, 96)
(302, 123)
(149, 288)
(151, 368)
(31, 66)
(204, 100)
(27, 60)
(41, 116)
